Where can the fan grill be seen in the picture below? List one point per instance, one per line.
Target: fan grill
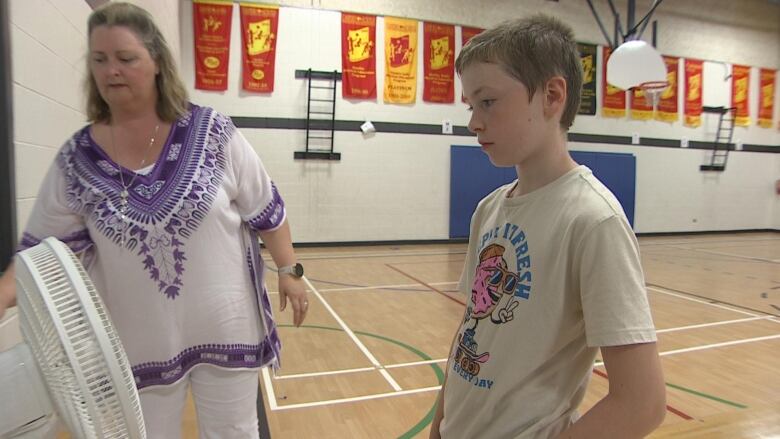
(75, 345)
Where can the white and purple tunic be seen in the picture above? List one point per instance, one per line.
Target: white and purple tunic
(188, 287)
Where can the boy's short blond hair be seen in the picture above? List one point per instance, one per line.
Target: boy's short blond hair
(532, 50)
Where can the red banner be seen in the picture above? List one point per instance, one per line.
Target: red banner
(766, 98)
(211, 24)
(439, 69)
(358, 56)
(641, 109)
(467, 33)
(694, 81)
(259, 24)
(614, 98)
(740, 85)
(667, 110)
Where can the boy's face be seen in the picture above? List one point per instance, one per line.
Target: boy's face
(511, 128)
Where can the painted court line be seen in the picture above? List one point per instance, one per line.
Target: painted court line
(269, 389)
(356, 370)
(319, 374)
(354, 338)
(427, 285)
(376, 287)
(713, 252)
(707, 325)
(274, 406)
(416, 363)
(718, 345)
(692, 299)
(355, 399)
(376, 255)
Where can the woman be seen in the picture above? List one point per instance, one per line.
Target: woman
(163, 200)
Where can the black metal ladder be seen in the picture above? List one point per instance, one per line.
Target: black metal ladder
(320, 114)
(722, 144)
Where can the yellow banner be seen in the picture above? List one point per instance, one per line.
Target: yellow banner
(400, 60)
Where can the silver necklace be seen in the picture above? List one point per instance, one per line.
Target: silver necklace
(125, 193)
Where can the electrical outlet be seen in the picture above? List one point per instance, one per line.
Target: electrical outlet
(446, 126)
(738, 145)
(684, 142)
(635, 139)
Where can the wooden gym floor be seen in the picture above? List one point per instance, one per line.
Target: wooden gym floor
(369, 359)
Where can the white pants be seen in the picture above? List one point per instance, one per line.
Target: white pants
(225, 403)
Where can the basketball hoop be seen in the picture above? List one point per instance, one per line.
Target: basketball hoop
(653, 91)
(633, 64)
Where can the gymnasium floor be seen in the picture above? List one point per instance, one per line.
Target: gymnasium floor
(370, 357)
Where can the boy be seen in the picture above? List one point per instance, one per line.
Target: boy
(552, 269)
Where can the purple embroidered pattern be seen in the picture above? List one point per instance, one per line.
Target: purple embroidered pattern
(233, 355)
(167, 205)
(77, 241)
(273, 214)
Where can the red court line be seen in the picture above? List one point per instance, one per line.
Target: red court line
(425, 284)
(668, 407)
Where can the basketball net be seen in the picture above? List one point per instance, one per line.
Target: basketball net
(653, 91)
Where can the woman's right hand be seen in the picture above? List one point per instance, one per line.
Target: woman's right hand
(7, 290)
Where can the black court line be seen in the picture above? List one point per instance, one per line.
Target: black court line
(712, 300)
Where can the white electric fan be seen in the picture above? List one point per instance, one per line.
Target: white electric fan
(71, 358)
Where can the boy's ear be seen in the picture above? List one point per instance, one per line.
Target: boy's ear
(555, 93)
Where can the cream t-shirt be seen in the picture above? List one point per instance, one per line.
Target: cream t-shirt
(551, 276)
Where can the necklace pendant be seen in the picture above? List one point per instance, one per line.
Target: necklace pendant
(124, 194)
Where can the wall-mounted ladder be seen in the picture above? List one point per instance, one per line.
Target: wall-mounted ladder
(722, 143)
(320, 114)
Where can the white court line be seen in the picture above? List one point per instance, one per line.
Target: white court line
(356, 398)
(712, 252)
(354, 338)
(718, 345)
(274, 406)
(356, 370)
(707, 325)
(693, 299)
(269, 389)
(416, 363)
(708, 346)
(374, 255)
(377, 287)
(319, 374)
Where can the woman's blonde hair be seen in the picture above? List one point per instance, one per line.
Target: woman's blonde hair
(171, 94)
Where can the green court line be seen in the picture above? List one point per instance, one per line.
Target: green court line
(428, 418)
(704, 395)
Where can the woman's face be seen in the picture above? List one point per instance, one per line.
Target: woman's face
(121, 66)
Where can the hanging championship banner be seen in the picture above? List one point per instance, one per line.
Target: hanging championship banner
(641, 109)
(614, 98)
(358, 56)
(693, 92)
(740, 84)
(211, 25)
(400, 60)
(467, 33)
(259, 24)
(589, 76)
(667, 110)
(439, 67)
(766, 99)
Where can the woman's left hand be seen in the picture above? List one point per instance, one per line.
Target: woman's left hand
(293, 289)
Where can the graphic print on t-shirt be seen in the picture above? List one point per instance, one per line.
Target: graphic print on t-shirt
(496, 291)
